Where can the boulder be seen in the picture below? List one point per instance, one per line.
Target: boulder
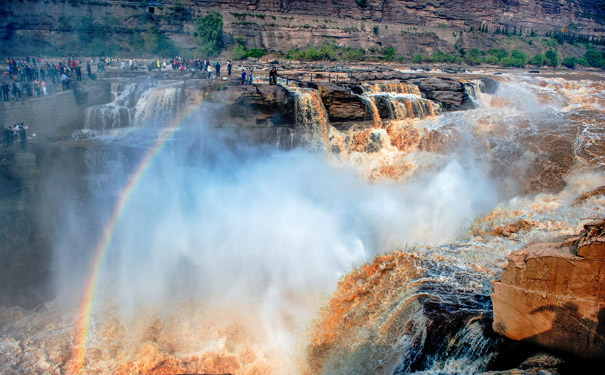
(258, 104)
(449, 93)
(553, 295)
(340, 103)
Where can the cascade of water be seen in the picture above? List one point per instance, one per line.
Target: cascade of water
(158, 105)
(397, 101)
(311, 115)
(116, 114)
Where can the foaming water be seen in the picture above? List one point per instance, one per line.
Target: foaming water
(232, 258)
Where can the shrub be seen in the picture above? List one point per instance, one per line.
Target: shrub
(537, 59)
(208, 34)
(473, 56)
(519, 58)
(389, 54)
(551, 58)
(239, 52)
(417, 59)
(355, 54)
(570, 62)
(594, 58)
(327, 51)
(255, 52)
(492, 60)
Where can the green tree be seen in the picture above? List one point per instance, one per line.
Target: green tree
(389, 54)
(327, 51)
(551, 58)
(519, 58)
(255, 52)
(594, 58)
(537, 59)
(570, 62)
(208, 35)
(473, 56)
(239, 52)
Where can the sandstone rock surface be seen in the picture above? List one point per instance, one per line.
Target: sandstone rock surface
(553, 295)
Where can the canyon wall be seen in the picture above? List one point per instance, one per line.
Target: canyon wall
(411, 27)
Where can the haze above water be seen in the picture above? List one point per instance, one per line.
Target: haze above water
(225, 252)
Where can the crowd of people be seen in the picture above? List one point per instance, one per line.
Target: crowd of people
(31, 76)
(12, 134)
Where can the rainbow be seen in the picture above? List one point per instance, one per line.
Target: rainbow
(82, 324)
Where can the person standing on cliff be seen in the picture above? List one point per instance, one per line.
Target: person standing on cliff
(5, 90)
(88, 70)
(20, 91)
(22, 137)
(43, 84)
(243, 76)
(229, 68)
(250, 78)
(78, 72)
(15, 91)
(273, 76)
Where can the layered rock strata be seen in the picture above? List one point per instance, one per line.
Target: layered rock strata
(553, 295)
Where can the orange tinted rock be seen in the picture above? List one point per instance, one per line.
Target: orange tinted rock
(553, 298)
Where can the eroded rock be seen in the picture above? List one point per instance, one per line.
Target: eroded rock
(553, 295)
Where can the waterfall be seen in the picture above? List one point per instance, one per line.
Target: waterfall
(117, 114)
(158, 105)
(311, 115)
(134, 105)
(397, 101)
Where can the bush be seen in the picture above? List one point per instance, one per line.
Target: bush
(594, 58)
(551, 58)
(473, 56)
(239, 52)
(492, 60)
(389, 54)
(537, 59)
(355, 54)
(417, 59)
(327, 51)
(255, 52)
(570, 62)
(208, 34)
(519, 58)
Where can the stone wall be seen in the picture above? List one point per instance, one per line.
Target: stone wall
(54, 116)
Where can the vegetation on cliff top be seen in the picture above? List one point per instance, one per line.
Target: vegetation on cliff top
(208, 35)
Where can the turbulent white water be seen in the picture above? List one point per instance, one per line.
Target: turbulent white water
(224, 252)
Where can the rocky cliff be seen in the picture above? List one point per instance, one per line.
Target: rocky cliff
(421, 26)
(553, 295)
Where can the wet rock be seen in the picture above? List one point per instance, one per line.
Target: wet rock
(449, 93)
(554, 296)
(340, 103)
(598, 192)
(488, 85)
(512, 228)
(262, 105)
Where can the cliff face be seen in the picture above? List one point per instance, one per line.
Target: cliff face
(421, 26)
(554, 296)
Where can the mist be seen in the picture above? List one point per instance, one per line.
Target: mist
(253, 233)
